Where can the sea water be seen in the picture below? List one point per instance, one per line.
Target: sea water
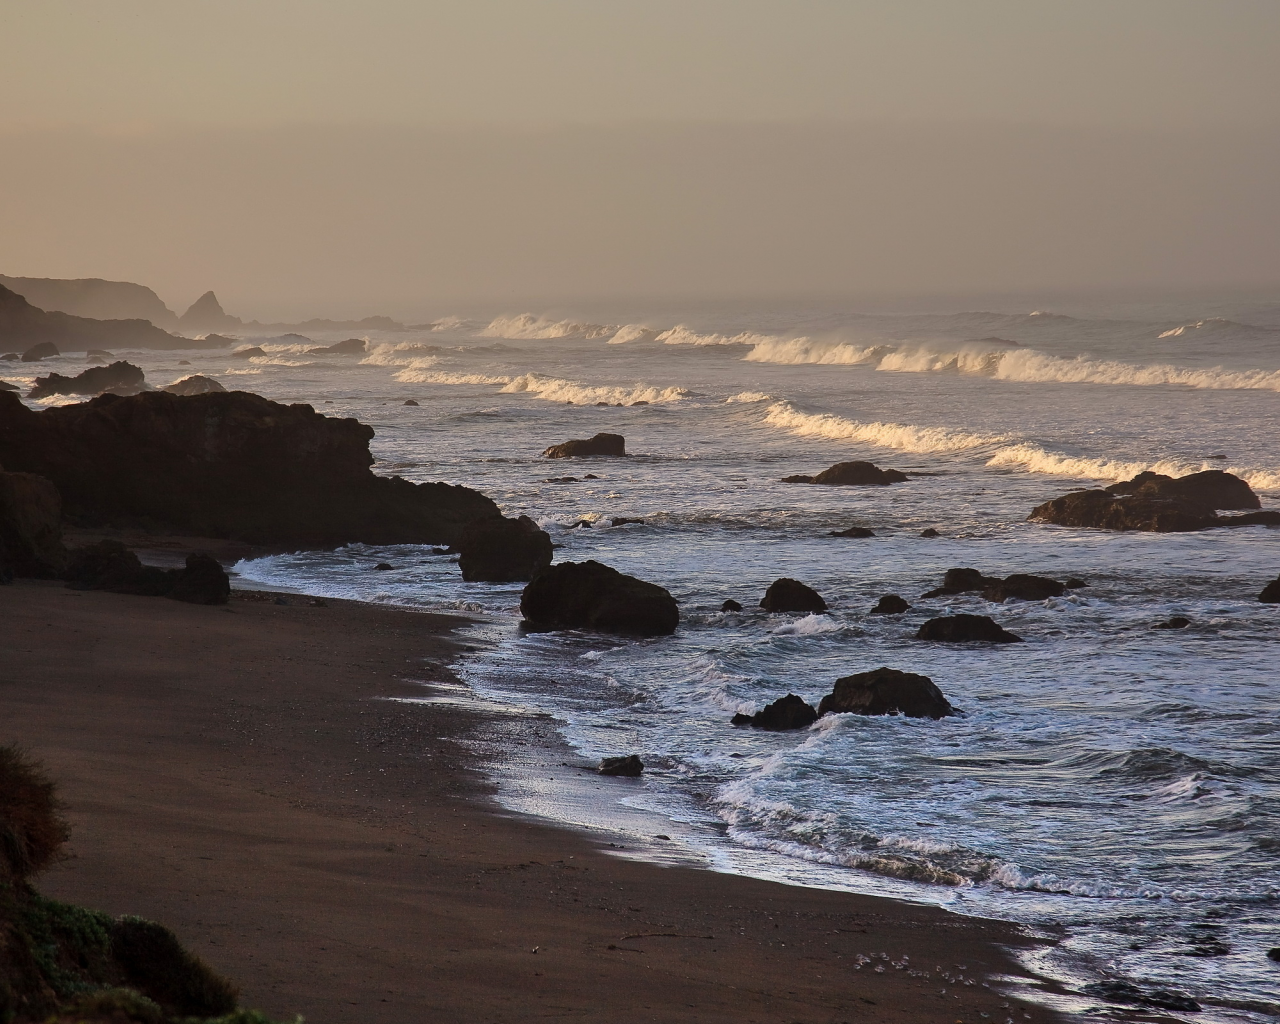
(1114, 784)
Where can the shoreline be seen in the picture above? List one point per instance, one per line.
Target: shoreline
(237, 774)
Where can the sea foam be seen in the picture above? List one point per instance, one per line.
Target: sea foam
(530, 327)
(554, 389)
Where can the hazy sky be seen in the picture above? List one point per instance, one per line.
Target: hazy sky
(351, 156)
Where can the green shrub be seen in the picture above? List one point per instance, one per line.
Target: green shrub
(32, 829)
(114, 1003)
(154, 961)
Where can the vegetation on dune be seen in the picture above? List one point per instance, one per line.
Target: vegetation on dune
(61, 963)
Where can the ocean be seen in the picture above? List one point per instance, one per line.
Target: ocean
(1110, 784)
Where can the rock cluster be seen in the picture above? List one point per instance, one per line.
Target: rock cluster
(1157, 503)
(121, 378)
(589, 595)
(503, 550)
(109, 565)
(230, 465)
(602, 445)
(1020, 586)
(851, 474)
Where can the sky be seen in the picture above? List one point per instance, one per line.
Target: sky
(344, 158)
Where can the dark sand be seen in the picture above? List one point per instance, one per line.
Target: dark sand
(231, 773)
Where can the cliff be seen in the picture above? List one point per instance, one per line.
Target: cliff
(94, 298)
(231, 465)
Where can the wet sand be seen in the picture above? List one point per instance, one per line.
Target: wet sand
(236, 774)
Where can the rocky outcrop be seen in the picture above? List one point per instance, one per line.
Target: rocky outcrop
(788, 595)
(228, 465)
(785, 713)
(1019, 586)
(1156, 503)
(206, 314)
(629, 766)
(1271, 592)
(110, 566)
(890, 604)
(30, 527)
(197, 384)
(44, 350)
(22, 323)
(350, 347)
(853, 531)
(602, 445)
(6, 386)
(886, 691)
(589, 595)
(503, 551)
(120, 378)
(851, 474)
(964, 629)
(94, 298)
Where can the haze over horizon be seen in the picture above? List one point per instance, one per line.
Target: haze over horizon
(313, 159)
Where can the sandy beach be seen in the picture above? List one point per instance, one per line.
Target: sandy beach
(234, 773)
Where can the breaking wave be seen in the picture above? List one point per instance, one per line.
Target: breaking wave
(633, 332)
(554, 389)
(903, 437)
(682, 335)
(422, 375)
(530, 327)
(1034, 459)
(405, 353)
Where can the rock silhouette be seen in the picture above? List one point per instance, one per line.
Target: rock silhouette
(589, 595)
(890, 604)
(120, 377)
(503, 550)
(196, 384)
(886, 691)
(851, 474)
(959, 629)
(602, 445)
(788, 595)
(785, 713)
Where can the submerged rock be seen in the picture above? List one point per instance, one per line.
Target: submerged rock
(1021, 586)
(1271, 592)
(886, 691)
(629, 766)
(788, 595)
(929, 532)
(853, 531)
(890, 604)
(589, 595)
(785, 713)
(1177, 622)
(731, 606)
(959, 629)
(228, 464)
(851, 474)
(602, 445)
(120, 377)
(30, 527)
(197, 384)
(1156, 503)
(410, 401)
(248, 353)
(503, 551)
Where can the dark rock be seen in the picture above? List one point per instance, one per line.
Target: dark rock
(6, 386)
(383, 567)
(641, 402)
(609, 445)
(44, 350)
(1271, 592)
(109, 565)
(194, 385)
(1074, 583)
(1274, 953)
(410, 401)
(10, 357)
(605, 404)
(350, 347)
(789, 712)
(100, 352)
(1156, 503)
(589, 595)
(788, 595)
(248, 353)
(626, 522)
(120, 377)
(930, 532)
(1211, 489)
(590, 476)
(1177, 622)
(561, 480)
(886, 691)
(581, 524)
(1021, 586)
(1130, 995)
(503, 551)
(956, 629)
(203, 581)
(890, 604)
(630, 766)
(853, 531)
(731, 606)
(229, 465)
(851, 474)
(30, 527)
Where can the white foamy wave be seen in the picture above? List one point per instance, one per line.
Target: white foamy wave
(1034, 459)
(405, 353)
(810, 625)
(274, 360)
(416, 375)
(682, 335)
(796, 351)
(530, 327)
(1031, 365)
(234, 372)
(749, 396)
(903, 437)
(553, 389)
(633, 332)
(452, 323)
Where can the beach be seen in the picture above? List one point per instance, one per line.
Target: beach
(244, 775)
